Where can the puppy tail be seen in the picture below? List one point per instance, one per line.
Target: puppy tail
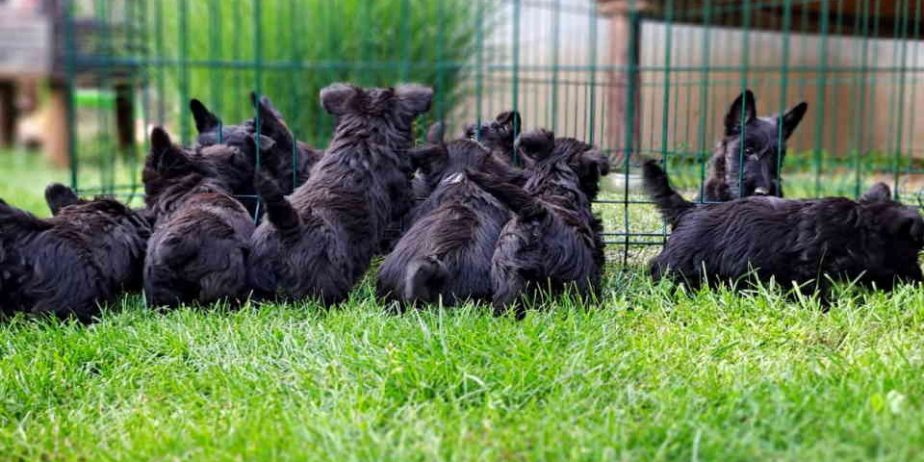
(425, 279)
(278, 210)
(669, 203)
(513, 197)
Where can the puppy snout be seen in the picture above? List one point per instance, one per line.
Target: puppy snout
(761, 191)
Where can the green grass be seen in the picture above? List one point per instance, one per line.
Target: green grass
(648, 373)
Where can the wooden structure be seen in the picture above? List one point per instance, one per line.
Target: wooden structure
(38, 40)
(852, 18)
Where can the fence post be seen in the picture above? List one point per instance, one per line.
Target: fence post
(125, 116)
(624, 95)
(7, 113)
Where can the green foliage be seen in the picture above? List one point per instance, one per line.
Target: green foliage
(290, 49)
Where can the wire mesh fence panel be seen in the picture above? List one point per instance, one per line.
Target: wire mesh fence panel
(638, 78)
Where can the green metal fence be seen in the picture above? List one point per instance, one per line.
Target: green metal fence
(637, 78)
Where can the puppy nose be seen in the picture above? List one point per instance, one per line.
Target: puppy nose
(761, 191)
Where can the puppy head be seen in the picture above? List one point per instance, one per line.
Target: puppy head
(499, 134)
(754, 147)
(587, 162)
(59, 196)
(537, 145)
(400, 105)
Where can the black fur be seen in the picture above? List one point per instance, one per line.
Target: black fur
(200, 248)
(285, 159)
(69, 264)
(758, 144)
(446, 254)
(59, 196)
(498, 135)
(356, 191)
(554, 241)
(871, 241)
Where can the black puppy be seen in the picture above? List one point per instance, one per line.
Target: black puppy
(871, 241)
(68, 265)
(746, 162)
(287, 160)
(499, 134)
(554, 240)
(446, 254)
(200, 247)
(320, 240)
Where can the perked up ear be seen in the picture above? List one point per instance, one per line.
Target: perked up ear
(165, 157)
(791, 119)
(271, 121)
(205, 120)
(879, 192)
(59, 196)
(537, 144)
(160, 140)
(336, 98)
(743, 109)
(415, 98)
(436, 133)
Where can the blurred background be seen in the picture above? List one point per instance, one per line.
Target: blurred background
(83, 81)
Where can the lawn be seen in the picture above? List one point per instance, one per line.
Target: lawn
(647, 373)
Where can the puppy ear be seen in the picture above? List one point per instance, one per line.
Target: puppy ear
(879, 192)
(264, 103)
(59, 196)
(425, 157)
(537, 144)
(336, 98)
(271, 121)
(160, 140)
(791, 119)
(206, 121)
(744, 108)
(415, 98)
(436, 133)
(165, 157)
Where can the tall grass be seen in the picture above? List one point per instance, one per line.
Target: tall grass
(220, 50)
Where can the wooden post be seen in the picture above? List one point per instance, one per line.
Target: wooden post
(124, 116)
(624, 78)
(8, 113)
(57, 141)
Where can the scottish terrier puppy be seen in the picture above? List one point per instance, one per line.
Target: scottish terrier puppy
(746, 162)
(446, 253)
(320, 240)
(498, 135)
(200, 248)
(872, 241)
(554, 240)
(70, 264)
(287, 160)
